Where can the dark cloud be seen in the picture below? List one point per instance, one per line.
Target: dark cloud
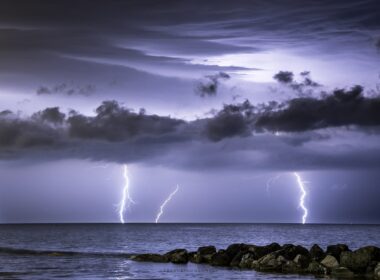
(209, 85)
(17, 135)
(305, 87)
(66, 89)
(116, 123)
(284, 77)
(50, 115)
(341, 108)
(231, 121)
(119, 134)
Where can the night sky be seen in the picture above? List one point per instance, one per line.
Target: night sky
(227, 99)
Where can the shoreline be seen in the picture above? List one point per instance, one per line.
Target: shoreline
(337, 261)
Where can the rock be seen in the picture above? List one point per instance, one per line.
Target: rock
(342, 272)
(178, 256)
(302, 261)
(260, 251)
(221, 258)
(246, 260)
(290, 267)
(359, 260)
(271, 262)
(290, 251)
(330, 262)
(236, 252)
(255, 265)
(191, 256)
(204, 254)
(336, 250)
(235, 249)
(317, 253)
(150, 258)
(235, 262)
(376, 272)
(206, 250)
(316, 268)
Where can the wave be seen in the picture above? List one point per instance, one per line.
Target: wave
(59, 253)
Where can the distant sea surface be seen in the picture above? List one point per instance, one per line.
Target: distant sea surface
(100, 251)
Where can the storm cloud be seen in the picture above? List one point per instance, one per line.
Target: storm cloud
(117, 133)
(209, 85)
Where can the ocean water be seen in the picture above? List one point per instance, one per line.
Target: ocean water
(100, 251)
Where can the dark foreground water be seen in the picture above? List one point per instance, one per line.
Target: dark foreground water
(100, 251)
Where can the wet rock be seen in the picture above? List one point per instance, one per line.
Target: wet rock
(260, 251)
(342, 272)
(317, 253)
(290, 267)
(206, 250)
(290, 251)
(255, 265)
(302, 261)
(204, 254)
(246, 260)
(359, 260)
(376, 272)
(191, 256)
(235, 249)
(236, 252)
(271, 262)
(178, 256)
(330, 262)
(316, 268)
(336, 250)
(235, 262)
(150, 258)
(221, 258)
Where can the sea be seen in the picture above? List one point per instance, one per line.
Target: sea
(101, 251)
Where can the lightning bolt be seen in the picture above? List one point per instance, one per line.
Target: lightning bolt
(302, 198)
(166, 202)
(126, 199)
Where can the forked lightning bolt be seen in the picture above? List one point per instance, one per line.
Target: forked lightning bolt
(164, 204)
(302, 198)
(126, 199)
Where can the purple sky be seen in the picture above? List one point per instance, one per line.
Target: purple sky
(187, 93)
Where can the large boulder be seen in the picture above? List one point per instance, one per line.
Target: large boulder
(191, 256)
(317, 253)
(236, 248)
(330, 262)
(342, 272)
(290, 251)
(204, 254)
(316, 268)
(302, 261)
(178, 256)
(236, 252)
(150, 258)
(235, 262)
(336, 250)
(246, 260)
(221, 258)
(359, 260)
(377, 271)
(271, 262)
(290, 267)
(260, 251)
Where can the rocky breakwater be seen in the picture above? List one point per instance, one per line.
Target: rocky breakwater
(336, 261)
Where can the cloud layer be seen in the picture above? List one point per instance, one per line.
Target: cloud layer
(119, 134)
